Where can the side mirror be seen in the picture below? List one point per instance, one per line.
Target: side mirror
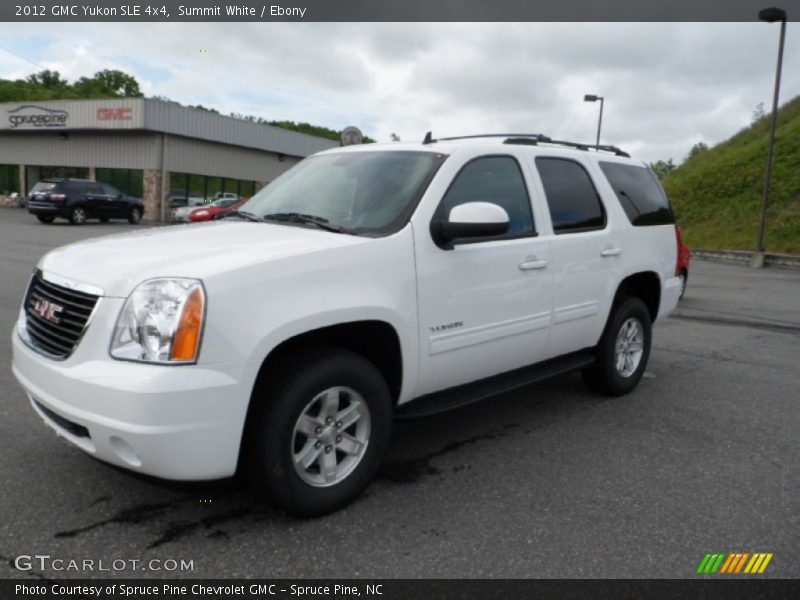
(470, 220)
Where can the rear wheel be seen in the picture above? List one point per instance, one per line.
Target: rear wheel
(135, 215)
(623, 350)
(104, 219)
(317, 431)
(78, 215)
(45, 218)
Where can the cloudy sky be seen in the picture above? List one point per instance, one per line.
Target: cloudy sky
(667, 85)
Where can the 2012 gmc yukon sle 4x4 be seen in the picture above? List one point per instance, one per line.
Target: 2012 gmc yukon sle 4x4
(366, 282)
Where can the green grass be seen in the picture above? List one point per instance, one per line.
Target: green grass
(717, 193)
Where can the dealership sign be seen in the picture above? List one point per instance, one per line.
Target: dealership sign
(31, 115)
(60, 115)
(115, 114)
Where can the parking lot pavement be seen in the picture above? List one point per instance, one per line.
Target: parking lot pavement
(549, 481)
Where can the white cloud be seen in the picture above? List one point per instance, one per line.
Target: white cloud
(667, 85)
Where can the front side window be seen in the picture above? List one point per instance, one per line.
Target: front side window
(110, 190)
(372, 192)
(495, 179)
(639, 193)
(571, 196)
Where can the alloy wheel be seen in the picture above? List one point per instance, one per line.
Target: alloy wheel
(330, 436)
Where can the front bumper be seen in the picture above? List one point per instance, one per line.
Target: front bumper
(174, 422)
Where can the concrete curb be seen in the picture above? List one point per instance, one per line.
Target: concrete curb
(744, 257)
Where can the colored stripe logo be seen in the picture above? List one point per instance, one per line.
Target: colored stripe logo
(734, 562)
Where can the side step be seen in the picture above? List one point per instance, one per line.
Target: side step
(455, 397)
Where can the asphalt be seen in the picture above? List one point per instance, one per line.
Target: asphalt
(549, 481)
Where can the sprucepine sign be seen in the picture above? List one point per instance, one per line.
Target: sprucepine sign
(37, 116)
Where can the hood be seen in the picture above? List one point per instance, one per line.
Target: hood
(118, 263)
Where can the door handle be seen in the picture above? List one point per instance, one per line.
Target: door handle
(530, 264)
(606, 252)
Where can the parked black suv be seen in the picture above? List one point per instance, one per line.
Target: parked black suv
(80, 199)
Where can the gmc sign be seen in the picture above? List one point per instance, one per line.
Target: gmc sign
(114, 114)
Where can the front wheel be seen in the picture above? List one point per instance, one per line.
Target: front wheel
(135, 216)
(317, 430)
(622, 353)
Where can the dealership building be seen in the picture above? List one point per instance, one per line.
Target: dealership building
(146, 148)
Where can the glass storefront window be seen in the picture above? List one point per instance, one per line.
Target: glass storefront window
(9, 179)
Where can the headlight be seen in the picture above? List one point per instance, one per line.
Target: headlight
(161, 322)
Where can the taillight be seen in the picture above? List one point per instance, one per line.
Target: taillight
(58, 197)
(678, 246)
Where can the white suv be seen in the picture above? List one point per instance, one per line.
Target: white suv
(367, 282)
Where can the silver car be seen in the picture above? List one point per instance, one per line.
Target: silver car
(181, 214)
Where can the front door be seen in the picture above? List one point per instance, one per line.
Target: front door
(99, 203)
(484, 305)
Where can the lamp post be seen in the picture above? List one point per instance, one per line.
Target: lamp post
(770, 15)
(593, 98)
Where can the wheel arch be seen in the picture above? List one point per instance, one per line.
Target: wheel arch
(645, 285)
(376, 340)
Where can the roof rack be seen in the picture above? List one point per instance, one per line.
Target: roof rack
(531, 139)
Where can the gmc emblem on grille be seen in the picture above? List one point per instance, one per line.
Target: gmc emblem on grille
(48, 310)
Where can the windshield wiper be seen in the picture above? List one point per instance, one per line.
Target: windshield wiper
(245, 215)
(294, 217)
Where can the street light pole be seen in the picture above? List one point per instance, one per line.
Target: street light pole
(594, 98)
(770, 15)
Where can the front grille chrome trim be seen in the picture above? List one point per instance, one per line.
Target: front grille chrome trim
(56, 347)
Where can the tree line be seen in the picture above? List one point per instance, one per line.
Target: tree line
(112, 83)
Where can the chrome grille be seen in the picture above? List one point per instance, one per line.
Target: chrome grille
(56, 316)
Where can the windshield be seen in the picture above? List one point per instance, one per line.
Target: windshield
(370, 192)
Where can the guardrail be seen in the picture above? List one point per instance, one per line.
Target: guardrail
(744, 257)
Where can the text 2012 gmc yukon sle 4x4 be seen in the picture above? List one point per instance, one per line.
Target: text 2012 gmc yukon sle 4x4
(366, 282)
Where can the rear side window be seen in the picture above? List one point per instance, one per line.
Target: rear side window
(640, 194)
(495, 179)
(571, 196)
(73, 187)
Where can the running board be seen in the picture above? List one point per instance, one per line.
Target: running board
(469, 393)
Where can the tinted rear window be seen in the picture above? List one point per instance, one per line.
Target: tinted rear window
(574, 203)
(43, 186)
(640, 194)
(74, 186)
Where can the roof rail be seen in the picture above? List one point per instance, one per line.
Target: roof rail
(532, 139)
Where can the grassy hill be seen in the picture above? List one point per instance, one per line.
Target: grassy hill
(717, 193)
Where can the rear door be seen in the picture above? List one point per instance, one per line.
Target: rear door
(586, 252)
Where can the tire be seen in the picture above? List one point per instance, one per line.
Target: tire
(290, 399)
(612, 374)
(104, 219)
(45, 218)
(77, 215)
(135, 216)
(684, 277)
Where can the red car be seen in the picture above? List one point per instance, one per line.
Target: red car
(684, 256)
(215, 210)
